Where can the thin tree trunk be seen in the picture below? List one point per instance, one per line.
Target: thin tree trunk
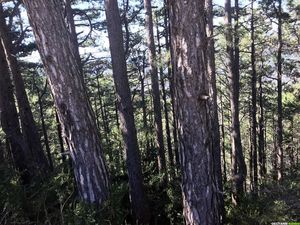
(238, 167)
(104, 120)
(261, 139)
(74, 110)
(138, 199)
(191, 79)
(11, 126)
(291, 152)
(279, 98)
(171, 79)
(250, 152)
(166, 110)
(29, 128)
(155, 88)
(211, 67)
(46, 139)
(253, 102)
(145, 122)
(275, 142)
(223, 141)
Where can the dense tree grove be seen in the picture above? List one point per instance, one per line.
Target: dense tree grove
(149, 112)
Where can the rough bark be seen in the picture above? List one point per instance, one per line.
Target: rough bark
(238, 167)
(72, 29)
(155, 87)
(189, 45)
(70, 97)
(138, 199)
(29, 128)
(60, 138)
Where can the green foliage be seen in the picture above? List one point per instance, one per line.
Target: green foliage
(275, 203)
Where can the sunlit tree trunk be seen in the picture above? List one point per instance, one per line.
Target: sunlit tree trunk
(74, 110)
(191, 83)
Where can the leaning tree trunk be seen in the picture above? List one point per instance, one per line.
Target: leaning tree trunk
(69, 13)
(155, 88)
(74, 111)
(11, 126)
(138, 199)
(192, 93)
(29, 128)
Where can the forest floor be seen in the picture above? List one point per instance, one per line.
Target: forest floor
(55, 203)
(276, 202)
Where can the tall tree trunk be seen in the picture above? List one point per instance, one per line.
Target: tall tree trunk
(155, 87)
(261, 144)
(261, 125)
(250, 152)
(292, 148)
(275, 142)
(166, 110)
(171, 78)
(238, 167)
(253, 102)
(74, 110)
(139, 203)
(279, 149)
(223, 142)
(42, 116)
(214, 106)
(29, 128)
(11, 126)
(191, 79)
(145, 121)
